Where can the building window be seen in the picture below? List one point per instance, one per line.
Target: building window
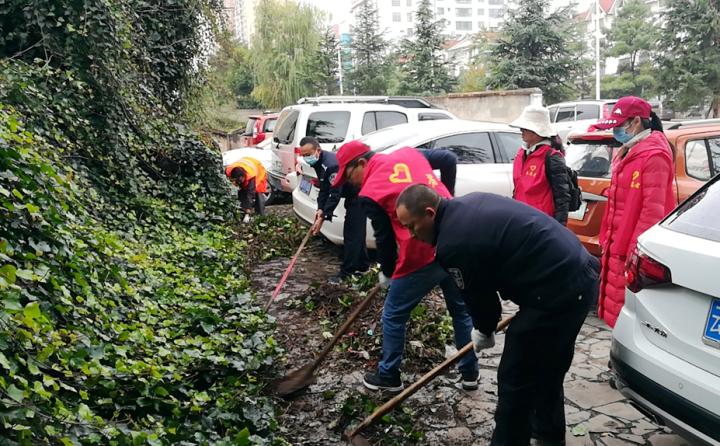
(463, 26)
(496, 13)
(463, 2)
(409, 3)
(440, 11)
(396, 16)
(463, 12)
(480, 11)
(396, 2)
(410, 17)
(496, 2)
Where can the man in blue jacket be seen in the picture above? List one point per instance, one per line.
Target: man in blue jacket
(355, 255)
(492, 245)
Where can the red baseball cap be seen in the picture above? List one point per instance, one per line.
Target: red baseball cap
(347, 153)
(625, 108)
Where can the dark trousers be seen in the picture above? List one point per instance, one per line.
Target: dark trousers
(259, 204)
(539, 347)
(355, 256)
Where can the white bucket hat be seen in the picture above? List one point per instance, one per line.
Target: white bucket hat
(535, 119)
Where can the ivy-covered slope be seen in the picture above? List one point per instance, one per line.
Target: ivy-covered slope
(125, 317)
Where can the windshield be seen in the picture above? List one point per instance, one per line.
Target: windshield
(389, 136)
(590, 158)
(250, 125)
(697, 216)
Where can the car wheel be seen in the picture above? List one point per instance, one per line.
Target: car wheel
(271, 196)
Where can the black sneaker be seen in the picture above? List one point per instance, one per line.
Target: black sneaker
(374, 381)
(470, 380)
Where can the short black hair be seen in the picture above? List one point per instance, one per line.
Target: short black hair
(417, 198)
(310, 140)
(237, 173)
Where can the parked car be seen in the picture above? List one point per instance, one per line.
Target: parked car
(665, 354)
(485, 153)
(334, 120)
(259, 128)
(697, 159)
(578, 115)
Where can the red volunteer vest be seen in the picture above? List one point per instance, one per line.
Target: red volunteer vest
(386, 176)
(531, 183)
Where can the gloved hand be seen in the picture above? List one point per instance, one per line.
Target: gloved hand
(246, 219)
(482, 342)
(384, 281)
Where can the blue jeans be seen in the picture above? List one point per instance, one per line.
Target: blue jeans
(404, 295)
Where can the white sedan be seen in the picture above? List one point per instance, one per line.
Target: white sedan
(485, 152)
(666, 344)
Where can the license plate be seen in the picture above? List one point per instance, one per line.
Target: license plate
(305, 186)
(580, 213)
(711, 336)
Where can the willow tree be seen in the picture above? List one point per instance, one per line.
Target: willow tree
(287, 39)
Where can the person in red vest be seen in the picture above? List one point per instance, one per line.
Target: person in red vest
(250, 177)
(539, 173)
(408, 265)
(641, 194)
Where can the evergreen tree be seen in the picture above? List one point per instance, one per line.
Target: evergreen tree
(324, 73)
(424, 69)
(533, 51)
(632, 38)
(691, 60)
(370, 70)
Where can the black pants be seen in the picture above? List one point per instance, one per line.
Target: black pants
(539, 347)
(355, 256)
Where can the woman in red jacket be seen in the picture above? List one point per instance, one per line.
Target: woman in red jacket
(640, 195)
(539, 173)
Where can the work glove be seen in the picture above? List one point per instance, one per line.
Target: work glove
(246, 219)
(384, 281)
(482, 342)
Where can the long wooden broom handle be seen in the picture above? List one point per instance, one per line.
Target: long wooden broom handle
(360, 308)
(414, 387)
(288, 270)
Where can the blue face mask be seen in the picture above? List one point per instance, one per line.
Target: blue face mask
(621, 135)
(311, 159)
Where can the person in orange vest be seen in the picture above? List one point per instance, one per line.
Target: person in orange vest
(539, 174)
(250, 177)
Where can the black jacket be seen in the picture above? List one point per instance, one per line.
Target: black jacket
(493, 245)
(559, 184)
(443, 160)
(326, 169)
(247, 195)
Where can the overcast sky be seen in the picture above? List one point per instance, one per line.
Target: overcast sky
(341, 8)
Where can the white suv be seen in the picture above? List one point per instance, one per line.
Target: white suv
(567, 117)
(333, 121)
(666, 344)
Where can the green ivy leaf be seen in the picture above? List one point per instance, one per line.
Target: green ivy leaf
(15, 394)
(24, 274)
(9, 272)
(4, 361)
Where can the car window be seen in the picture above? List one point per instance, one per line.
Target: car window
(286, 126)
(389, 118)
(470, 148)
(697, 216)
(566, 114)
(250, 125)
(714, 145)
(590, 159)
(388, 137)
(697, 162)
(509, 143)
(432, 116)
(328, 127)
(368, 124)
(587, 111)
(552, 110)
(270, 125)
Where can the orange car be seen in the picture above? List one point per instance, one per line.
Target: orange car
(697, 159)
